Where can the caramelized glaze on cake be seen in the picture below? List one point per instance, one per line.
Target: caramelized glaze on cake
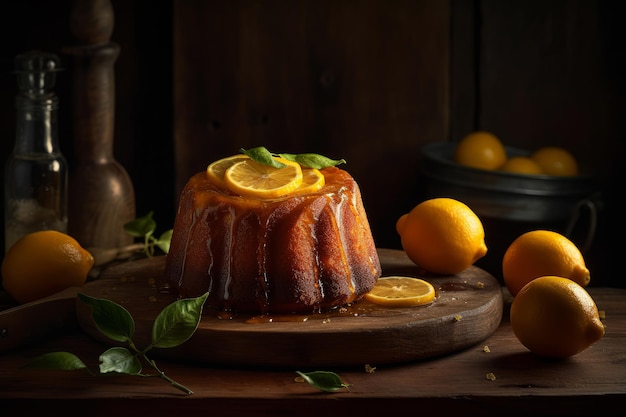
(301, 253)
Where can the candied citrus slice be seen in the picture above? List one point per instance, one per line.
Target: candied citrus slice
(253, 179)
(312, 180)
(397, 291)
(217, 169)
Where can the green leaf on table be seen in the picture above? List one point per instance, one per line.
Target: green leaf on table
(141, 226)
(120, 360)
(177, 322)
(312, 160)
(324, 380)
(57, 360)
(111, 319)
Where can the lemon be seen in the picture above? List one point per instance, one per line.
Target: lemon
(253, 179)
(398, 291)
(312, 180)
(482, 150)
(554, 160)
(555, 317)
(43, 263)
(442, 235)
(217, 169)
(521, 165)
(542, 252)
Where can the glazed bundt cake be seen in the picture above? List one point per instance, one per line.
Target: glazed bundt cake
(310, 250)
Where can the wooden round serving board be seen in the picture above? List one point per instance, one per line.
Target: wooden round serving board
(467, 309)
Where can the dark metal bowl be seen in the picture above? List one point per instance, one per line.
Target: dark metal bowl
(504, 195)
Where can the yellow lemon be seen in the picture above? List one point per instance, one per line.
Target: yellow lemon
(481, 150)
(398, 291)
(217, 169)
(555, 317)
(554, 160)
(542, 252)
(43, 263)
(312, 180)
(521, 165)
(253, 179)
(442, 235)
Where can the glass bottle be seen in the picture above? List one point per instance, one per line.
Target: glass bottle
(36, 175)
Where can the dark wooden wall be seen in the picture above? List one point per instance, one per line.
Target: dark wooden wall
(365, 80)
(370, 81)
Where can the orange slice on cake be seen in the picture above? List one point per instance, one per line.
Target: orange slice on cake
(312, 180)
(253, 179)
(217, 169)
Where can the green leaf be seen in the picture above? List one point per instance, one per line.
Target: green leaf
(165, 240)
(113, 320)
(262, 155)
(177, 322)
(57, 360)
(312, 160)
(120, 360)
(324, 380)
(141, 226)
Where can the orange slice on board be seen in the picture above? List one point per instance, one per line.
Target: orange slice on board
(398, 291)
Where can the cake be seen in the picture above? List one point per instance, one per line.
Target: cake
(301, 253)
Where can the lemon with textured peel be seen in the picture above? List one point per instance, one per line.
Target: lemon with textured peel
(312, 180)
(442, 235)
(554, 160)
(521, 165)
(542, 252)
(217, 169)
(253, 179)
(43, 263)
(480, 149)
(398, 291)
(555, 317)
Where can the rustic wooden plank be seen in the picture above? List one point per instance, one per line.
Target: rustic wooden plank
(591, 381)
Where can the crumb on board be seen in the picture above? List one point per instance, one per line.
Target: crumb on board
(369, 369)
(480, 284)
(486, 349)
(127, 279)
(491, 376)
(602, 314)
(457, 318)
(326, 320)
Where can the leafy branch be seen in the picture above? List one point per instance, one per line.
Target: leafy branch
(144, 228)
(174, 325)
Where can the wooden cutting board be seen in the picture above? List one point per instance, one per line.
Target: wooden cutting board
(467, 310)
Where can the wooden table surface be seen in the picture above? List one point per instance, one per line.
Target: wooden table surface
(590, 383)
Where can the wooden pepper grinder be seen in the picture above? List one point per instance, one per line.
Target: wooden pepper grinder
(101, 195)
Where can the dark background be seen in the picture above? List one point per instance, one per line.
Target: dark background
(370, 81)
